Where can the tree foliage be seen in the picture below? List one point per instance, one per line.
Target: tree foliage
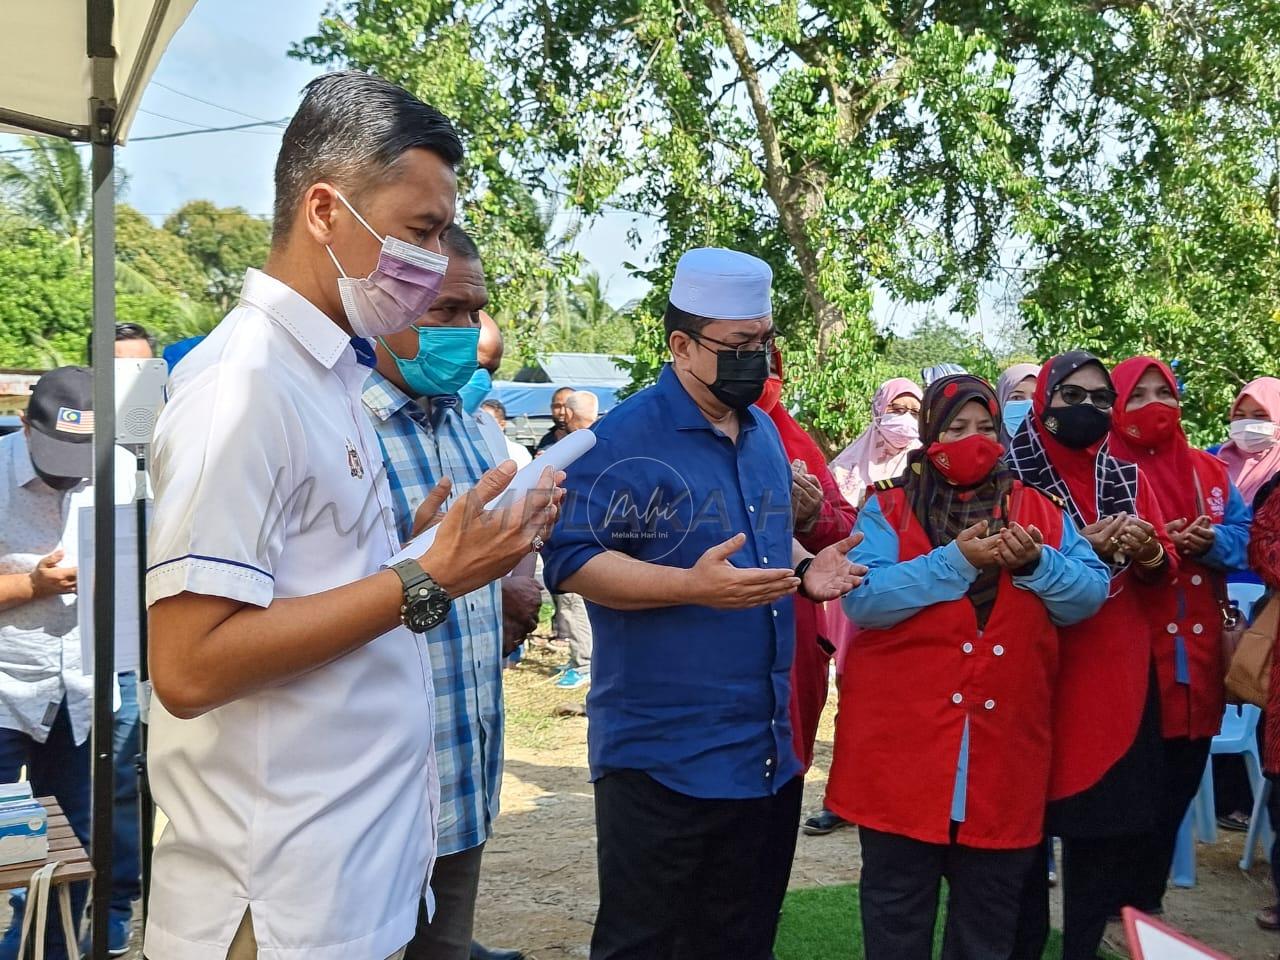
(898, 146)
(222, 242)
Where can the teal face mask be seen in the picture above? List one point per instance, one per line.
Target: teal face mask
(445, 362)
(475, 390)
(1015, 412)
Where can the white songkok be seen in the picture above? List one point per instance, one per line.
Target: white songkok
(722, 285)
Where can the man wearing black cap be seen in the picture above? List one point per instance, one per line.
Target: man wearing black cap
(45, 700)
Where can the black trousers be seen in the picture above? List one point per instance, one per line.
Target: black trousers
(684, 878)
(1184, 762)
(455, 882)
(1099, 876)
(901, 882)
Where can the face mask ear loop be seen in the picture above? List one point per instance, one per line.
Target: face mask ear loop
(342, 273)
(363, 222)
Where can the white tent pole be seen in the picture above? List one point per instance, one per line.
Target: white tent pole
(102, 112)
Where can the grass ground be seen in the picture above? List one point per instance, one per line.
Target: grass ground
(823, 924)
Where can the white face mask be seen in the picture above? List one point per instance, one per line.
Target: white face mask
(1253, 436)
(899, 430)
(402, 286)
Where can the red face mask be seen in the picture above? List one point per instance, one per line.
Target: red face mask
(966, 462)
(1152, 425)
(772, 393)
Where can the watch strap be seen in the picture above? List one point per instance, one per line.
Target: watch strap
(411, 574)
(801, 569)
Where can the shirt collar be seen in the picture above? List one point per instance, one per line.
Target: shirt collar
(316, 333)
(382, 397)
(684, 412)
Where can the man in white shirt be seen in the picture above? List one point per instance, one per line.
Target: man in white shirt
(45, 697)
(291, 744)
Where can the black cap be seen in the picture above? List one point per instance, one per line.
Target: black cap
(60, 414)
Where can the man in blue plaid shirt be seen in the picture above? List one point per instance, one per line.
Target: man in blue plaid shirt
(426, 436)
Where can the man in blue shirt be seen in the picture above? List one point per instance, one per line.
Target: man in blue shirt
(677, 530)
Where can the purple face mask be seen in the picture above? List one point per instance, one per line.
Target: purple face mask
(401, 288)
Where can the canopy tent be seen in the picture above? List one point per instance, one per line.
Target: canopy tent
(76, 69)
(57, 56)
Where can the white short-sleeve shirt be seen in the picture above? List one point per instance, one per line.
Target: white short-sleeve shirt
(312, 803)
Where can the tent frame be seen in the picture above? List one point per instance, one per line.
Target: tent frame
(106, 108)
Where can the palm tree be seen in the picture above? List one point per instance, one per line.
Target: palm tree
(50, 186)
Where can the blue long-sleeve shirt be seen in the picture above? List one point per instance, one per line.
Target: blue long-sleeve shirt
(697, 698)
(1230, 549)
(1071, 581)
(894, 590)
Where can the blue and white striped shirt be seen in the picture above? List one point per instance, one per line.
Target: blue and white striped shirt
(419, 448)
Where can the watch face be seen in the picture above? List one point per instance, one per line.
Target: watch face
(426, 607)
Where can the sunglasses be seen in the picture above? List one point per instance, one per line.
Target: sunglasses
(1103, 398)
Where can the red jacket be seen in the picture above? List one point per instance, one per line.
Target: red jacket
(908, 690)
(1105, 673)
(813, 654)
(1189, 607)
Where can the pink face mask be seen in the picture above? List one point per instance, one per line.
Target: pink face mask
(403, 285)
(899, 430)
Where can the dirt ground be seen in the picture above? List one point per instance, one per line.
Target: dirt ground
(538, 889)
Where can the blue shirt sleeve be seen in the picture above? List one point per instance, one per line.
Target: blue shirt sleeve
(894, 590)
(576, 539)
(1071, 580)
(1230, 550)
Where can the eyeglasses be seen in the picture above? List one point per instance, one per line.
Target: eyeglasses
(1103, 398)
(739, 349)
(898, 409)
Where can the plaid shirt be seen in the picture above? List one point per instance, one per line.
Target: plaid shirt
(466, 650)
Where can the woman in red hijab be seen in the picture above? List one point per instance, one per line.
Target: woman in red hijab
(1106, 710)
(823, 517)
(1208, 521)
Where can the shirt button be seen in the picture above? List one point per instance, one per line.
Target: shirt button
(764, 560)
(967, 648)
(751, 509)
(767, 774)
(769, 762)
(957, 698)
(990, 704)
(1198, 629)
(775, 613)
(1172, 628)
(1197, 580)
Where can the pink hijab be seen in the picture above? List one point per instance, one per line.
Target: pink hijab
(1249, 471)
(870, 458)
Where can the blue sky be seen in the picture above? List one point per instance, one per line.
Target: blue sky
(233, 53)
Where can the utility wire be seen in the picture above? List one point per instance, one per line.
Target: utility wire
(210, 103)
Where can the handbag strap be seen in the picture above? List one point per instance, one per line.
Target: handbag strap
(36, 918)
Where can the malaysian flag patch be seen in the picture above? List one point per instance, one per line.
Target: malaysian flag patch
(74, 421)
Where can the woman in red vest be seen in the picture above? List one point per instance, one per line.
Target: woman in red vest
(1208, 521)
(823, 517)
(942, 741)
(1107, 753)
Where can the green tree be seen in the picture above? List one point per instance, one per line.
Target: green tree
(223, 242)
(895, 145)
(46, 301)
(49, 185)
(583, 321)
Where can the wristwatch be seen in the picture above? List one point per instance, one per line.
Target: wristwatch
(801, 569)
(425, 602)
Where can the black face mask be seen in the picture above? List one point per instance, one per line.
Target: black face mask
(58, 483)
(1078, 426)
(739, 381)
